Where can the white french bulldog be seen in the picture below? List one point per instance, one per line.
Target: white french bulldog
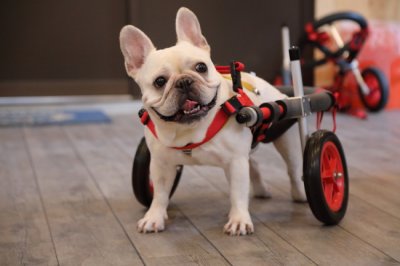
(182, 92)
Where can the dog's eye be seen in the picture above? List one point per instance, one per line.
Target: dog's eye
(160, 82)
(201, 68)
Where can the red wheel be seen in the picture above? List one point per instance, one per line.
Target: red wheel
(332, 176)
(141, 183)
(325, 177)
(378, 86)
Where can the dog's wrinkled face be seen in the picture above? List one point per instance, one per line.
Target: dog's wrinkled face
(180, 83)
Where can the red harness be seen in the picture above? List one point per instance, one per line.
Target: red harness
(228, 108)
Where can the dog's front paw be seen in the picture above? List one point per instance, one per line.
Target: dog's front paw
(153, 221)
(239, 224)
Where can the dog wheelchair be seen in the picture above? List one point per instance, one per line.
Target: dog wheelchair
(325, 172)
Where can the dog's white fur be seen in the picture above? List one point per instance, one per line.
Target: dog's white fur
(229, 149)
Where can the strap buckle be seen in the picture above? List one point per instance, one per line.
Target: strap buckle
(144, 116)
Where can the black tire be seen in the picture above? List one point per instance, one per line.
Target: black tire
(306, 44)
(353, 16)
(329, 212)
(141, 177)
(382, 93)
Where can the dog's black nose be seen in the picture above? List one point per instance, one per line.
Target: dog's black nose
(184, 83)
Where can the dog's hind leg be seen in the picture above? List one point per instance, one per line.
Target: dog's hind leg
(260, 188)
(288, 145)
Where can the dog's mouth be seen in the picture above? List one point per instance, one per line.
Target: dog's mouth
(190, 111)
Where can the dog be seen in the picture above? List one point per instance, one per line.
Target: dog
(182, 93)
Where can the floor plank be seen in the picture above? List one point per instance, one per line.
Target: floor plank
(372, 153)
(374, 226)
(25, 238)
(110, 167)
(84, 229)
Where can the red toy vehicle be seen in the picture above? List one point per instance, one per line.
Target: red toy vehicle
(323, 35)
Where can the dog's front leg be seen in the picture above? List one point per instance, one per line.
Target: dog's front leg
(163, 176)
(238, 175)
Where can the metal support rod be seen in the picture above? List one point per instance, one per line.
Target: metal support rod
(295, 66)
(334, 33)
(286, 44)
(357, 74)
(286, 60)
(336, 36)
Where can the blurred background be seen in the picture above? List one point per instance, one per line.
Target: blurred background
(64, 47)
(71, 47)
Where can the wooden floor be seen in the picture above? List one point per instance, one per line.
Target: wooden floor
(66, 198)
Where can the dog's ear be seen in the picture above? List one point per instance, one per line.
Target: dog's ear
(188, 29)
(135, 46)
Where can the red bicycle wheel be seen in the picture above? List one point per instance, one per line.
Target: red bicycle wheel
(325, 177)
(378, 86)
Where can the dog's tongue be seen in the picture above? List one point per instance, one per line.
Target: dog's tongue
(189, 105)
